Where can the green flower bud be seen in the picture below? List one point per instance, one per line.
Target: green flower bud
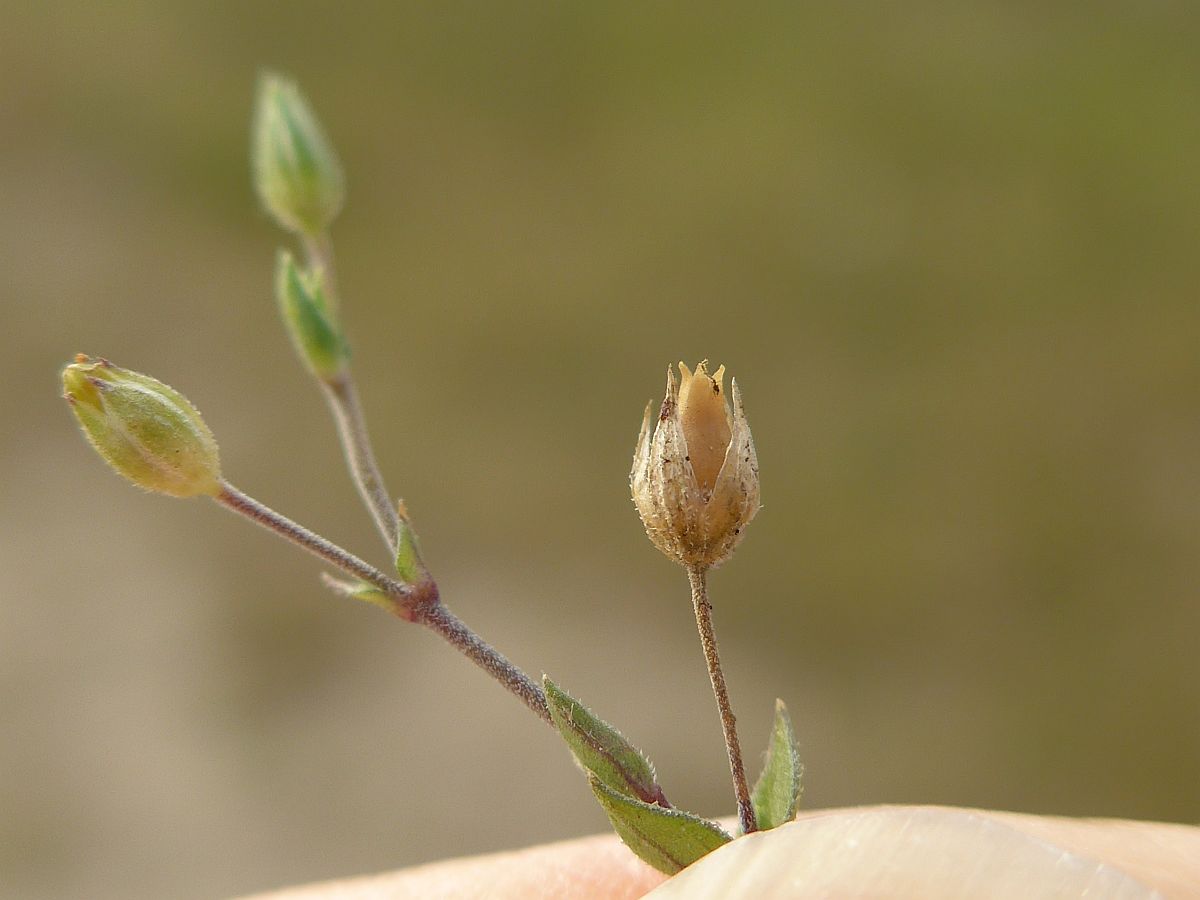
(296, 172)
(310, 321)
(145, 430)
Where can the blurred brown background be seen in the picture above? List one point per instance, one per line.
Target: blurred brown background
(950, 256)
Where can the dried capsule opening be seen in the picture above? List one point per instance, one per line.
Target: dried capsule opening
(704, 417)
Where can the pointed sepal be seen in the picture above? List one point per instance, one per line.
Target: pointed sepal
(310, 320)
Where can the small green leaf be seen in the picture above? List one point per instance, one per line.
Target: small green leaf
(668, 839)
(600, 749)
(409, 565)
(776, 796)
(359, 590)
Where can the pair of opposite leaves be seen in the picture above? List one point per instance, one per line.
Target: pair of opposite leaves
(624, 782)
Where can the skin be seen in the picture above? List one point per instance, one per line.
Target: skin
(869, 851)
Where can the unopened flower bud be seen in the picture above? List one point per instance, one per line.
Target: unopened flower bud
(311, 323)
(145, 430)
(296, 172)
(695, 472)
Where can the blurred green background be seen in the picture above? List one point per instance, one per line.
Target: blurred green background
(950, 255)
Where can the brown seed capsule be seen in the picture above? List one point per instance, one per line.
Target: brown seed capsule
(695, 472)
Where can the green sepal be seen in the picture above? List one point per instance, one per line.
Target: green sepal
(600, 749)
(668, 839)
(310, 322)
(776, 796)
(409, 565)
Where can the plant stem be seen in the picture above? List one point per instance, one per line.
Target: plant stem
(455, 631)
(342, 398)
(415, 604)
(318, 251)
(698, 579)
(231, 498)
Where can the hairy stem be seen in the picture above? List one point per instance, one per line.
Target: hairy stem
(231, 498)
(698, 579)
(342, 398)
(413, 603)
(452, 628)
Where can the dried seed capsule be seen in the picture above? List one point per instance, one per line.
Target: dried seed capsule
(695, 472)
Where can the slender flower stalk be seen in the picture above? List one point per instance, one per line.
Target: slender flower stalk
(413, 603)
(342, 396)
(698, 579)
(153, 436)
(300, 182)
(299, 179)
(480, 652)
(245, 505)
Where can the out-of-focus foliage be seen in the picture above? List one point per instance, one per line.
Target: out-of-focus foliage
(951, 255)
